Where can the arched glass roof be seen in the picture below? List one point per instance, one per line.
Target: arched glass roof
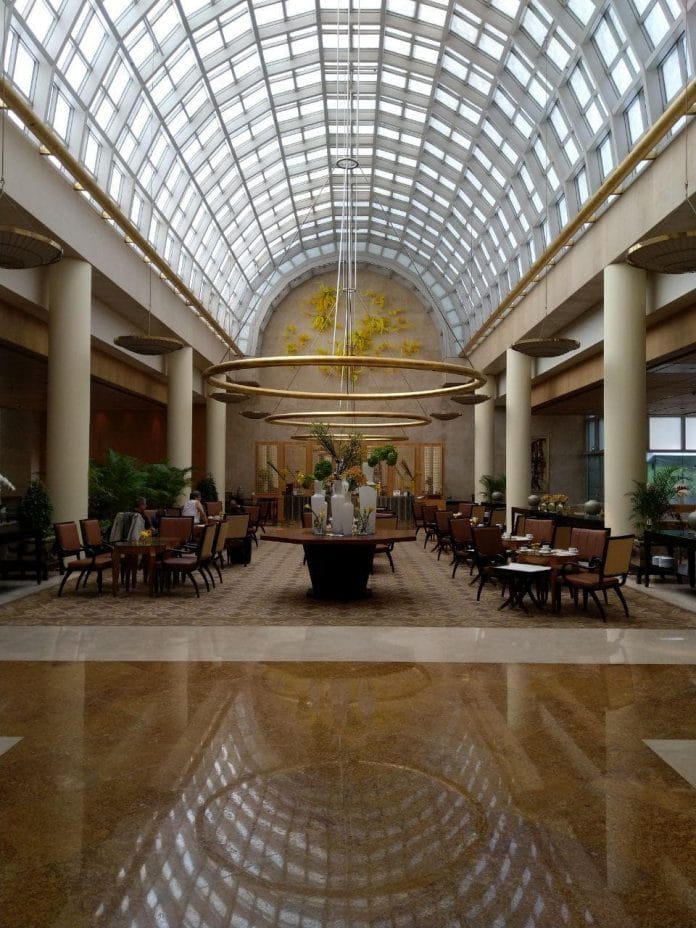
(482, 128)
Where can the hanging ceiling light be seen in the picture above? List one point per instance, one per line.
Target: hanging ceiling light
(343, 360)
(20, 248)
(672, 252)
(357, 420)
(541, 346)
(546, 347)
(147, 343)
(470, 399)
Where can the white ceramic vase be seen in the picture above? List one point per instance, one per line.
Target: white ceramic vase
(368, 501)
(319, 508)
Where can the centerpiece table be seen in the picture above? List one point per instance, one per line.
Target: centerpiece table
(339, 565)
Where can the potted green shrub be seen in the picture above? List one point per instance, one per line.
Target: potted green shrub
(652, 499)
(206, 487)
(35, 510)
(493, 487)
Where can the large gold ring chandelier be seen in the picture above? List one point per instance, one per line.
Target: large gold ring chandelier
(472, 379)
(358, 419)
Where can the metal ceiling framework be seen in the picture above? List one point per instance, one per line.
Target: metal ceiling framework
(213, 128)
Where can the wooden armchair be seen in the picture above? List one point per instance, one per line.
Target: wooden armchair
(176, 565)
(74, 557)
(489, 552)
(462, 543)
(610, 575)
(385, 524)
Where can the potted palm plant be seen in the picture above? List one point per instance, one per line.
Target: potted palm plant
(651, 499)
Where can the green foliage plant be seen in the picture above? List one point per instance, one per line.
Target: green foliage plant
(492, 484)
(207, 489)
(35, 509)
(343, 454)
(651, 500)
(117, 482)
(386, 453)
(164, 484)
(323, 469)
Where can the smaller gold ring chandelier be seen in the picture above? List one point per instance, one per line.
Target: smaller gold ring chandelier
(367, 439)
(306, 419)
(472, 379)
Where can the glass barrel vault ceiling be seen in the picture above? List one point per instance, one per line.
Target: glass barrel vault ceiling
(482, 128)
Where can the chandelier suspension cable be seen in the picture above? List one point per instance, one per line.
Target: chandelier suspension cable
(541, 345)
(687, 59)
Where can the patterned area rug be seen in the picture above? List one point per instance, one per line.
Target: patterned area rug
(272, 590)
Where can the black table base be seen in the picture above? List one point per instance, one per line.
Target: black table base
(339, 572)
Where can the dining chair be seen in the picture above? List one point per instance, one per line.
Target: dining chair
(497, 518)
(478, 513)
(417, 512)
(254, 513)
(178, 529)
(465, 509)
(462, 543)
(238, 542)
(126, 526)
(76, 558)
(219, 543)
(429, 523)
(541, 530)
(386, 523)
(442, 532)
(213, 507)
(489, 552)
(92, 536)
(175, 564)
(609, 575)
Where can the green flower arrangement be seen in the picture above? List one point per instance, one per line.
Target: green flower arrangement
(387, 453)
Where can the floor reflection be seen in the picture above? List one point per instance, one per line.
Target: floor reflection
(349, 795)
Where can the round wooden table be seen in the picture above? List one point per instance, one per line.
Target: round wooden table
(339, 565)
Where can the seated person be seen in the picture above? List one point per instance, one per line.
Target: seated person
(141, 507)
(194, 507)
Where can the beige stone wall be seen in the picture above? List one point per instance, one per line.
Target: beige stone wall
(295, 310)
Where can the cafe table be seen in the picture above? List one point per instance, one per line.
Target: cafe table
(339, 565)
(556, 559)
(520, 578)
(148, 548)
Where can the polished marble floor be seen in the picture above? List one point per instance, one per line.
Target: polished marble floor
(400, 778)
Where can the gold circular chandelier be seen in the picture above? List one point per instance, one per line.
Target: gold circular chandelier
(346, 436)
(472, 379)
(306, 419)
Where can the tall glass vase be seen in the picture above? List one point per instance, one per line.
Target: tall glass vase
(367, 496)
(319, 509)
(341, 509)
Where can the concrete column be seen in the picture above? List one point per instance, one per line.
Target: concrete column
(68, 405)
(216, 440)
(518, 415)
(484, 435)
(625, 406)
(180, 408)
